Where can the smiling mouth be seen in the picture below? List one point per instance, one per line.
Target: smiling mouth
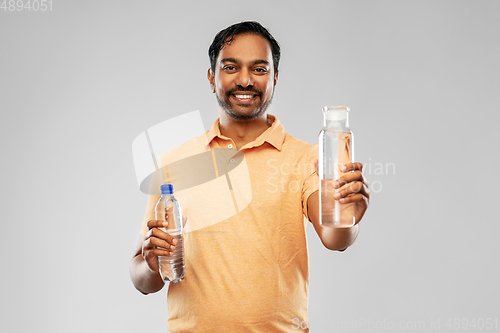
(244, 97)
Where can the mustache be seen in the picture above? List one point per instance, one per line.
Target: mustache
(242, 89)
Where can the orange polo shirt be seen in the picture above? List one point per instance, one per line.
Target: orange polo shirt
(247, 264)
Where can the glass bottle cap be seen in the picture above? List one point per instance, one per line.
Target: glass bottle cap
(336, 113)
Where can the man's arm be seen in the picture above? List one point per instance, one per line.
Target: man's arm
(352, 190)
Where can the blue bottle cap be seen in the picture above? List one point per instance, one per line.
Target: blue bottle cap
(167, 189)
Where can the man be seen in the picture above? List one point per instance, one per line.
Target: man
(248, 272)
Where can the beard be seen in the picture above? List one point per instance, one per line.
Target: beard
(230, 110)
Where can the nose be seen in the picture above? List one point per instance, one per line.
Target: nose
(244, 78)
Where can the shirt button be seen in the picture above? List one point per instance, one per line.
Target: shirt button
(231, 160)
(230, 146)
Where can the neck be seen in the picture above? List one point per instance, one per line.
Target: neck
(242, 132)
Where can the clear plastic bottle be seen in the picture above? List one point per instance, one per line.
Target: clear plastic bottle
(168, 209)
(335, 150)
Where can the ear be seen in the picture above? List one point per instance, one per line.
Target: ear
(276, 77)
(210, 77)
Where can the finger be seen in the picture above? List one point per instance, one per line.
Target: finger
(157, 224)
(151, 241)
(162, 235)
(362, 189)
(149, 249)
(348, 178)
(351, 166)
(353, 198)
(154, 242)
(354, 187)
(351, 188)
(153, 254)
(184, 220)
(316, 166)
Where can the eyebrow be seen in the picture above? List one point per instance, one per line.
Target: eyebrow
(255, 62)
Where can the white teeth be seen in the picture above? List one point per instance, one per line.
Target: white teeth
(243, 96)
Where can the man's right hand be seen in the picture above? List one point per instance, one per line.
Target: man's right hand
(144, 267)
(157, 243)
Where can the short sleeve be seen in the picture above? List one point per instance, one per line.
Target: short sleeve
(311, 181)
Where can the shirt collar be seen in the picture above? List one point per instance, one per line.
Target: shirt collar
(274, 135)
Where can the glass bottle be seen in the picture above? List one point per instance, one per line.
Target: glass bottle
(335, 150)
(168, 209)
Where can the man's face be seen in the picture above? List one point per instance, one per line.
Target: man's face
(244, 77)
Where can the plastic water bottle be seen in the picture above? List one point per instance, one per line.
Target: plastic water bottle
(335, 150)
(168, 209)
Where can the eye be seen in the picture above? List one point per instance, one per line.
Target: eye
(261, 70)
(229, 68)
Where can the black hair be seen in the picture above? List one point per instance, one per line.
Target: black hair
(227, 35)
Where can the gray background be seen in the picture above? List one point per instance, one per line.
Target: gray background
(78, 84)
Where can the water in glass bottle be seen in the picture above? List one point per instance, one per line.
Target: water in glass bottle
(335, 150)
